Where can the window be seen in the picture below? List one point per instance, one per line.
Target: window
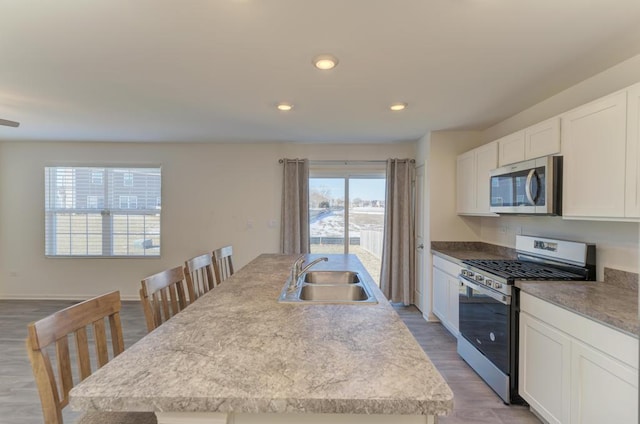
(127, 179)
(346, 214)
(96, 177)
(102, 212)
(128, 202)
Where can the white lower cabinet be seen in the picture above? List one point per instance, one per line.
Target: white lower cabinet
(544, 371)
(574, 370)
(445, 293)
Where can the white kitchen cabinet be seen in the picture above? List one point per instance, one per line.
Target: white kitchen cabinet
(604, 390)
(511, 148)
(544, 370)
(594, 149)
(473, 179)
(573, 369)
(542, 139)
(445, 293)
(632, 187)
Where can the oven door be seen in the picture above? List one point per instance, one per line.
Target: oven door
(485, 321)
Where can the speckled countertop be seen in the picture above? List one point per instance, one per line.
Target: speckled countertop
(605, 301)
(612, 302)
(237, 350)
(459, 251)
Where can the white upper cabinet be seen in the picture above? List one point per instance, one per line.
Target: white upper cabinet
(632, 186)
(473, 179)
(511, 148)
(542, 139)
(594, 146)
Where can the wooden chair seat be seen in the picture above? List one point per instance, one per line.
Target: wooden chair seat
(163, 296)
(223, 263)
(199, 273)
(84, 322)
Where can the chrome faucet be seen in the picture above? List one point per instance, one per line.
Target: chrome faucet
(296, 271)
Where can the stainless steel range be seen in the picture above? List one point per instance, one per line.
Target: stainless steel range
(489, 304)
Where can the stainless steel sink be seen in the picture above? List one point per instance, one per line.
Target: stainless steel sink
(331, 277)
(318, 287)
(333, 292)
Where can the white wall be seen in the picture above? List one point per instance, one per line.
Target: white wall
(617, 242)
(213, 194)
(444, 223)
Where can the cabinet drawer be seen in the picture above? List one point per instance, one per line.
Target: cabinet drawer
(451, 268)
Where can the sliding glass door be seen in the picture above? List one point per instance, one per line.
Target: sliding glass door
(347, 216)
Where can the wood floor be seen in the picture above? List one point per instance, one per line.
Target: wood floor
(19, 403)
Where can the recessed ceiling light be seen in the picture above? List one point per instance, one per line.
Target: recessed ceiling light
(325, 62)
(398, 106)
(285, 107)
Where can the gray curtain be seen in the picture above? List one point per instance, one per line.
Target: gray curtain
(294, 228)
(397, 279)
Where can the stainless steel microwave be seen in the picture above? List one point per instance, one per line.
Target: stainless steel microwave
(532, 187)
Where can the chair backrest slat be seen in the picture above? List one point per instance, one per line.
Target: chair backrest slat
(84, 360)
(223, 263)
(64, 368)
(163, 296)
(100, 332)
(56, 328)
(198, 272)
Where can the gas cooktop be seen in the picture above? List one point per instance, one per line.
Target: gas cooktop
(518, 270)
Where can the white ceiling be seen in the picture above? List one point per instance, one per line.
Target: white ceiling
(212, 70)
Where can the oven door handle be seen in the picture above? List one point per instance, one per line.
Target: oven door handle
(504, 299)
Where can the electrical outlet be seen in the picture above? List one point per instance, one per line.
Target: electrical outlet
(504, 229)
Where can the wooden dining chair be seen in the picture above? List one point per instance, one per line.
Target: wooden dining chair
(223, 263)
(163, 296)
(199, 274)
(74, 322)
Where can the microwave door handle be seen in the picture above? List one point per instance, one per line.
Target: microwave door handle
(527, 187)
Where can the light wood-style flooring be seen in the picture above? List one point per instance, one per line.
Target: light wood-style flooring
(19, 402)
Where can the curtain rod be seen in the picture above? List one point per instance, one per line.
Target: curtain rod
(343, 162)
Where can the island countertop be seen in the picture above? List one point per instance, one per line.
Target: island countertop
(237, 349)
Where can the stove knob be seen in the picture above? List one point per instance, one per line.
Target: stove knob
(497, 285)
(479, 278)
(489, 282)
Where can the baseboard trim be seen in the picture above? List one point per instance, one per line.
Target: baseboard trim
(59, 297)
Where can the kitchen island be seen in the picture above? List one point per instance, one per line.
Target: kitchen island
(237, 355)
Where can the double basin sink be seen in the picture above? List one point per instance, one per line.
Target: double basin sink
(328, 287)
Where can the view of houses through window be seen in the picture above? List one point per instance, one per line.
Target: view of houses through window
(346, 215)
(102, 211)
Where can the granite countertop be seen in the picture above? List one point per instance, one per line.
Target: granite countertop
(607, 302)
(612, 302)
(237, 350)
(459, 251)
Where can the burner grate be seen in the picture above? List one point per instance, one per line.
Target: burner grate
(518, 270)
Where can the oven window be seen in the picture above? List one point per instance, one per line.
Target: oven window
(484, 322)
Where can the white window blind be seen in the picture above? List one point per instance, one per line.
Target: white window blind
(102, 212)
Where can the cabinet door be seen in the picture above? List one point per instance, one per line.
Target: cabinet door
(544, 369)
(453, 307)
(440, 294)
(632, 197)
(466, 182)
(542, 139)
(511, 148)
(603, 390)
(594, 144)
(486, 160)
